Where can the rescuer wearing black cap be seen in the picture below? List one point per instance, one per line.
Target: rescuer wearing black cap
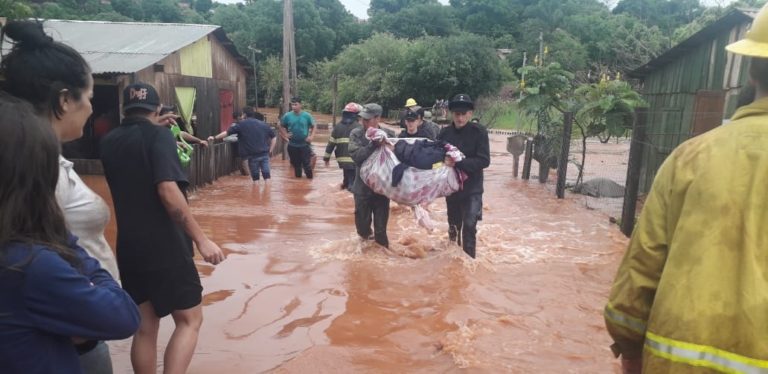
(465, 207)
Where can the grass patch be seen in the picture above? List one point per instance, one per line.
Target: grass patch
(514, 120)
(507, 116)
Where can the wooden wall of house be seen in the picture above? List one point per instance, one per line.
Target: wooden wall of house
(671, 92)
(228, 74)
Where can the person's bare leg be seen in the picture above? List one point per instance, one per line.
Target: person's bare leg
(182, 345)
(144, 346)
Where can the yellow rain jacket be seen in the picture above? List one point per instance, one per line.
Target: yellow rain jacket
(691, 294)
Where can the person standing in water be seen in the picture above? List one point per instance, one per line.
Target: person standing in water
(298, 128)
(155, 231)
(338, 143)
(369, 206)
(465, 207)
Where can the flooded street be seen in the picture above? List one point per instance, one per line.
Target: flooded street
(299, 292)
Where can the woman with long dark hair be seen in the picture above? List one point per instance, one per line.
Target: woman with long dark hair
(52, 294)
(57, 82)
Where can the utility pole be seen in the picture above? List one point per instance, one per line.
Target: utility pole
(525, 59)
(294, 75)
(287, 41)
(335, 96)
(254, 51)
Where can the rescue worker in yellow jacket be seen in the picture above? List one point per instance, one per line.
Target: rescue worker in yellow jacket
(691, 294)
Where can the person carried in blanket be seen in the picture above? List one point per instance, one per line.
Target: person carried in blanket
(415, 127)
(368, 204)
(465, 207)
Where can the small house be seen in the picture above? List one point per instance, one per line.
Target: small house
(691, 88)
(195, 67)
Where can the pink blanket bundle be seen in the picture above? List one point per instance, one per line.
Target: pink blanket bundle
(418, 187)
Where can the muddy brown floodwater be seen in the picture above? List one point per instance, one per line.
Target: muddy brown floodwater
(299, 293)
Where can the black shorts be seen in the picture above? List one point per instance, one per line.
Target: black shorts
(170, 289)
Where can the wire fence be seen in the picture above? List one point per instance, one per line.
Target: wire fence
(604, 173)
(605, 165)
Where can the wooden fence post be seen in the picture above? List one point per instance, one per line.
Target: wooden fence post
(209, 164)
(565, 150)
(516, 146)
(632, 185)
(543, 172)
(528, 156)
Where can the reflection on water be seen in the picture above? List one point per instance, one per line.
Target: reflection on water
(299, 292)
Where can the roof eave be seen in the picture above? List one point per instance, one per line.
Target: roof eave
(732, 18)
(225, 41)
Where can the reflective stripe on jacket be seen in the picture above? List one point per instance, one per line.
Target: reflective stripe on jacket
(691, 294)
(339, 142)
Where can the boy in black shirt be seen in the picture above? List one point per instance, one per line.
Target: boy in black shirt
(155, 230)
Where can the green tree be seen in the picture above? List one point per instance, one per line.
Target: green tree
(190, 16)
(555, 13)
(492, 18)
(386, 70)
(667, 15)
(15, 9)
(110, 16)
(129, 8)
(547, 90)
(368, 72)
(438, 67)
(709, 15)
(161, 10)
(565, 49)
(348, 29)
(417, 21)
(314, 39)
(319, 34)
(54, 11)
(203, 6)
(394, 6)
(271, 80)
(77, 5)
(605, 109)
(253, 24)
(616, 42)
(757, 4)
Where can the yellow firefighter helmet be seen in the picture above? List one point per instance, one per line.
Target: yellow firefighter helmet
(755, 42)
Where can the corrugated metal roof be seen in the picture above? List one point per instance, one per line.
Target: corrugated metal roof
(124, 47)
(725, 22)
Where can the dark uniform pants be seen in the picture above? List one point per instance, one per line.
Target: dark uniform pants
(301, 159)
(349, 178)
(463, 214)
(378, 206)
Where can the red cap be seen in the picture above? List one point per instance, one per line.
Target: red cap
(352, 108)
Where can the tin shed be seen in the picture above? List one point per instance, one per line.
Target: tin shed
(691, 88)
(195, 67)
